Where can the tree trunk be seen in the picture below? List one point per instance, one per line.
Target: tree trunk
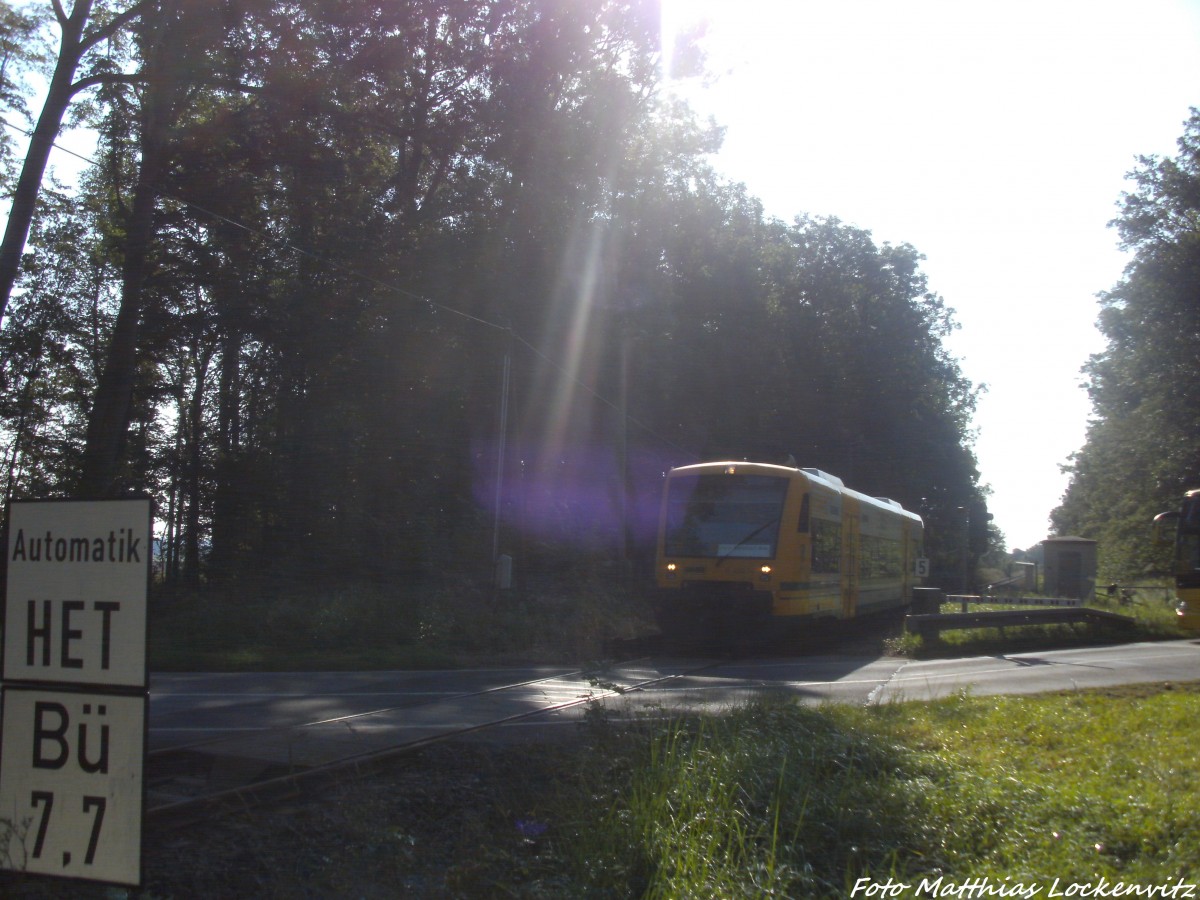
(110, 415)
(58, 98)
(227, 500)
(192, 483)
(109, 418)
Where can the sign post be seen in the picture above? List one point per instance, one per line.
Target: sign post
(75, 688)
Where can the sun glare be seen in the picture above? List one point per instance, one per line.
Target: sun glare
(679, 19)
(578, 368)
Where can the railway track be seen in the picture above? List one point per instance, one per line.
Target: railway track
(194, 782)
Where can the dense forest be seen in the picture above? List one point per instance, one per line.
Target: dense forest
(378, 289)
(1143, 444)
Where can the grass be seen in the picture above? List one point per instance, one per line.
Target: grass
(423, 626)
(783, 800)
(773, 799)
(371, 626)
(1153, 620)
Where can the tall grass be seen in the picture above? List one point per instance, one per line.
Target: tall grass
(1153, 619)
(774, 800)
(783, 800)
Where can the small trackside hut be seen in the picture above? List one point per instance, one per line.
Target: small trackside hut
(748, 550)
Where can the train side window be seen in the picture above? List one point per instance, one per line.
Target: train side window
(826, 546)
(802, 525)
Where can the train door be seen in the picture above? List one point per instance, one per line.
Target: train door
(850, 559)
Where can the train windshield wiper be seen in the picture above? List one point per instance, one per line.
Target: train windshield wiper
(757, 531)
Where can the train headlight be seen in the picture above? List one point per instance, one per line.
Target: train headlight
(766, 573)
(671, 570)
(766, 570)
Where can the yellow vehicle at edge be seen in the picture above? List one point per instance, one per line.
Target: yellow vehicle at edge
(1186, 520)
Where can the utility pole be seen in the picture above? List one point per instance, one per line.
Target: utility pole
(500, 450)
(965, 546)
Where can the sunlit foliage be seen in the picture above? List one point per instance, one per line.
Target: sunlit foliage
(1143, 446)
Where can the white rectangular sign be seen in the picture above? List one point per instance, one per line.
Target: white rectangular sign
(78, 574)
(71, 783)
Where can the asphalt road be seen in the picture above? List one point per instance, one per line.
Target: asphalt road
(889, 679)
(188, 708)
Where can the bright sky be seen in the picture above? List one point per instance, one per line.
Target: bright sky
(993, 137)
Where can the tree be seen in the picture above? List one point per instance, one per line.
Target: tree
(175, 40)
(378, 142)
(22, 53)
(1143, 445)
(76, 40)
(321, 226)
(52, 346)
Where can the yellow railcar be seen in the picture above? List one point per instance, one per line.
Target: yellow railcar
(1186, 521)
(749, 549)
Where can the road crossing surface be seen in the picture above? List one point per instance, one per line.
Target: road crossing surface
(405, 705)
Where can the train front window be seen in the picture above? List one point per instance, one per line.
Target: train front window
(724, 515)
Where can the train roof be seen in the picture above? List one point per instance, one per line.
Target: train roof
(823, 478)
